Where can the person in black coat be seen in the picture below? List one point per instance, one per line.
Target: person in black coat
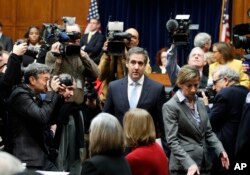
(242, 144)
(93, 41)
(225, 114)
(106, 148)
(28, 116)
(10, 75)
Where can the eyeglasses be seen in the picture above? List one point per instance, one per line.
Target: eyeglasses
(216, 81)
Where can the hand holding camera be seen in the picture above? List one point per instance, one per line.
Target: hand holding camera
(20, 48)
(54, 84)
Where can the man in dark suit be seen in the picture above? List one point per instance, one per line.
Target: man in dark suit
(93, 41)
(5, 41)
(149, 95)
(225, 115)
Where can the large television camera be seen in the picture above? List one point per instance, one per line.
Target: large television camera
(179, 29)
(53, 33)
(116, 36)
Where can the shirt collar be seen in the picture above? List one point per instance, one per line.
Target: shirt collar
(181, 97)
(140, 81)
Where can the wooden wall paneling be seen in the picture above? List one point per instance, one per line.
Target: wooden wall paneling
(239, 12)
(74, 8)
(7, 16)
(31, 13)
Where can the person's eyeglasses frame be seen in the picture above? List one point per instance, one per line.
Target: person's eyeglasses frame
(216, 81)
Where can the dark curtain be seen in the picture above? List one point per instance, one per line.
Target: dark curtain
(149, 17)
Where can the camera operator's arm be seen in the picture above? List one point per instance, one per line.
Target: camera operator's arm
(104, 65)
(172, 67)
(54, 62)
(91, 68)
(12, 73)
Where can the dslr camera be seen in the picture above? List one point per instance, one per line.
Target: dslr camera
(179, 29)
(89, 89)
(209, 92)
(116, 36)
(53, 33)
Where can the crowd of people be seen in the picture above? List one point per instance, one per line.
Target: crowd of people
(74, 106)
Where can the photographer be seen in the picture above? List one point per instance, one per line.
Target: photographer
(28, 116)
(225, 114)
(10, 75)
(109, 71)
(77, 64)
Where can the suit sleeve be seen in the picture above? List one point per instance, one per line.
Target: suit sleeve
(217, 112)
(172, 67)
(160, 103)
(108, 106)
(88, 168)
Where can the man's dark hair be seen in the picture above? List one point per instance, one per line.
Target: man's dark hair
(34, 70)
(138, 50)
(1, 25)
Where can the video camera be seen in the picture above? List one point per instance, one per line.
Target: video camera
(116, 36)
(53, 33)
(239, 38)
(179, 29)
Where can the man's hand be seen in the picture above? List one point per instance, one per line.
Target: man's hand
(20, 49)
(224, 160)
(193, 169)
(54, 84)
(55, 47)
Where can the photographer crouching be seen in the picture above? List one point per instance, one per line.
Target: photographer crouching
(67, 57)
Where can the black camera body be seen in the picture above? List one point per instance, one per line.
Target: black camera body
(116, 36)
(209, 92)
(53, 33)
(89, 89)
(240, 40)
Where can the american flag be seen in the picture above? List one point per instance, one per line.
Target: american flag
(225, 31)
(93, 13)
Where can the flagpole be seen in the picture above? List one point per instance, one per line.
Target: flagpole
(221, 18)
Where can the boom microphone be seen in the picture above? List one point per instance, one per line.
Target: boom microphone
(172, 25)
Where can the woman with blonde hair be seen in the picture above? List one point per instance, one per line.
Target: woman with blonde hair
(106, 145)
(147, 156)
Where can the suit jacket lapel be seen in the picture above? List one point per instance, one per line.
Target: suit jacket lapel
(188, 114)
(124, 93)
(146, 89)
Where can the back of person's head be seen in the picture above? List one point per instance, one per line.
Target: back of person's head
(187, 73)
(138, 127)
(201, 39)
(137, 50)
(9, 164)
(227, 72)
(34, 70)
(106, 136)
